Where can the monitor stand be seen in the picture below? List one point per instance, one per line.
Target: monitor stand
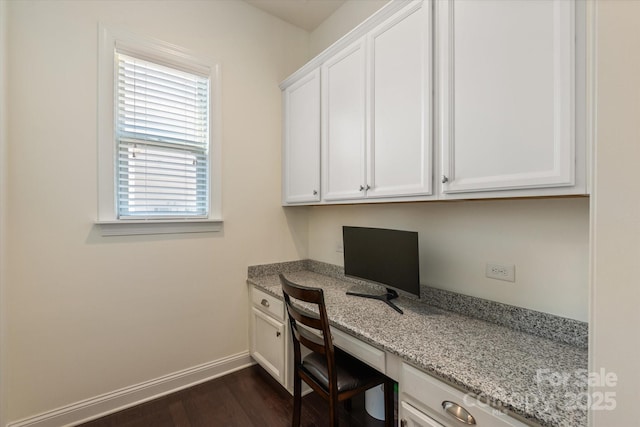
(385, 298)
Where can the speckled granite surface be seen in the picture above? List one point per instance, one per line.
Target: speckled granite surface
(533, 322)
(545, 325)
(512, 369)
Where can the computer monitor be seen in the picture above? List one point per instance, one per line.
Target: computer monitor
(385, 257)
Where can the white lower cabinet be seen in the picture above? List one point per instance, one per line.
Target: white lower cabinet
(271, 346)
(412, 417)
(268, 334)
(270, 338)
(426, 401)
(268, 345)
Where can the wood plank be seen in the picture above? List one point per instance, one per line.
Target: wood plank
(246, 398)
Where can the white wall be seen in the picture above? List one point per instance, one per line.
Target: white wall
(73, 321)
(615, 305)
(87, 314)
(547, 240)
(3, 189)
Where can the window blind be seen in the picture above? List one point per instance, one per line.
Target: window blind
(162, 132)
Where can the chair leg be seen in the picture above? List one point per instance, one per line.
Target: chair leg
(348, 405)
(389, 397)
(333, 411)
(297, 399)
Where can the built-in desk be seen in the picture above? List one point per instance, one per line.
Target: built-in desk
(429, 350)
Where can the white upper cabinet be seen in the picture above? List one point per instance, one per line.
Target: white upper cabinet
(489, 98)
(399, 150)
(507, 94)
(343, 123)
(301, 136)
(376, 105)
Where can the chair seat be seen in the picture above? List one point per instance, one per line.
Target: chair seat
(351, 373)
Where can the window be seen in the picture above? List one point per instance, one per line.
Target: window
(158, 150)
(163, 140)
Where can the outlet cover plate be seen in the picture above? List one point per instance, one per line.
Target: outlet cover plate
(506, 272)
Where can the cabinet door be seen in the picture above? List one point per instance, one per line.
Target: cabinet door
(430, 395)
(507, 91)
(343, 118)
(301, 156)
(399, 146)
(412, 417)
(267, 343)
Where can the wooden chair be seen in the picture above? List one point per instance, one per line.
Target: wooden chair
(330, 372)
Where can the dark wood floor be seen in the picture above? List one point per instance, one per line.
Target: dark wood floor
(246, 398)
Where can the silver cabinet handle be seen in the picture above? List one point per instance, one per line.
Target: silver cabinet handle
(264, 302)
(278, 333)
(368, 187)
(315, 192)
(403, 423)
(458, 412)
(445, 179)
(362, 188)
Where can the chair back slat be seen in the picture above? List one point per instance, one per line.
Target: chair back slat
(310, 340)
(305, 319)
(319, 342)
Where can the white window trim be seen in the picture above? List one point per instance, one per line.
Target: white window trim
(108, 220)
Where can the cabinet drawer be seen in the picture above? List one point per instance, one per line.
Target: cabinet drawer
(268, 303)
(430, 395)
(359, 349)
(411, 417)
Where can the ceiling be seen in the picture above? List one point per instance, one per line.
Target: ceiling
(306, 14)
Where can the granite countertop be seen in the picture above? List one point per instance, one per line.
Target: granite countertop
(536, 378)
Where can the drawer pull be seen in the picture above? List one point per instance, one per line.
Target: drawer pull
(278, 334)
(458, 412)
(264, 302)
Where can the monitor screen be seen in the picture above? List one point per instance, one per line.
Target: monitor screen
(387, 257)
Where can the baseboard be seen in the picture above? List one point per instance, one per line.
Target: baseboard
(118, 400)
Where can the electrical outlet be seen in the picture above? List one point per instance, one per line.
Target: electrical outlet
(339, 247)
(501, 272)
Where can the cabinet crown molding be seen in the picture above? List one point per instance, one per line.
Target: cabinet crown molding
(361, 30)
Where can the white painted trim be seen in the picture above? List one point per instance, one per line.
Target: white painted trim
(166, 53)
(146, 227)
(590, 19)
(118, 400)
(592, 141)
(4, 174)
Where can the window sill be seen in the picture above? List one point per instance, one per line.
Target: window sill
(148, 227)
